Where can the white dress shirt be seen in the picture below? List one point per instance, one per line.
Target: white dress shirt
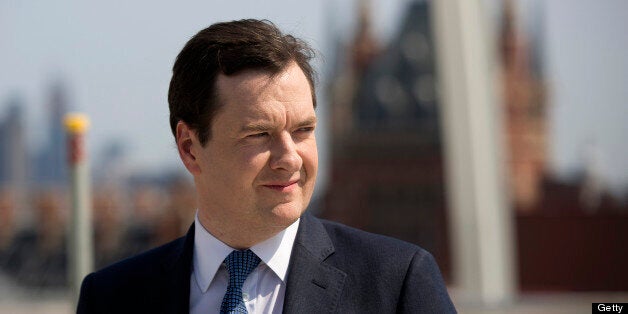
(264, 289)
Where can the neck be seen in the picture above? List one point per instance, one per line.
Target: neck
(238, 234)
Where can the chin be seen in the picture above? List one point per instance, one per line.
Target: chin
(284, 215)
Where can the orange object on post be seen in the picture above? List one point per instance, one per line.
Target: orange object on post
(76, 125)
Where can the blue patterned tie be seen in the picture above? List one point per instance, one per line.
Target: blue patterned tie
(239, 265)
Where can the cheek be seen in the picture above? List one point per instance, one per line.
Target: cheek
(232, 167)
(251, 161)
(309, 154)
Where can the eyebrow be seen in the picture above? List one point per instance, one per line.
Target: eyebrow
(263, 126)
(309, 121)
(260, 126)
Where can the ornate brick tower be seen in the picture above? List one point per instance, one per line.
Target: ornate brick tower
(386, 163)
(525, 115)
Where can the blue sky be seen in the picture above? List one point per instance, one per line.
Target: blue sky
(116, 58)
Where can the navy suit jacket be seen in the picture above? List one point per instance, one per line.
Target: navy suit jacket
(333, 269)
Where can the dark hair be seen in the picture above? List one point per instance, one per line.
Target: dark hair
(228, 48)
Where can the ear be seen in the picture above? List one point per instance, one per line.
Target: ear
(186, 145)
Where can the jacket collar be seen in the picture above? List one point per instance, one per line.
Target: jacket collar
(313, 284)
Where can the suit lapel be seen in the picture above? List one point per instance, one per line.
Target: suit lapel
(175, 292)
(314, 286)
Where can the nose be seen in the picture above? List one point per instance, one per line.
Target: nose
(284, 154)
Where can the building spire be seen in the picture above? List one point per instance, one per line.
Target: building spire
(365, 47)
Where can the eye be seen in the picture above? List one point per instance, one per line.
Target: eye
(258, 135)
(306, 129)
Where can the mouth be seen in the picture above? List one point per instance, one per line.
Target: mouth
(282, 186)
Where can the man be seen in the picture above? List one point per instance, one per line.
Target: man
(242, 106)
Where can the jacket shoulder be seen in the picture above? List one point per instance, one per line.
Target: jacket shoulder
(122, 285)
(404, 277)
(367, 257)
(144, 263)
(362, 242)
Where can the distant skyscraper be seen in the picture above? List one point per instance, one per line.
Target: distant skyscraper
(51, 161)
(110, 166)
(13, 155)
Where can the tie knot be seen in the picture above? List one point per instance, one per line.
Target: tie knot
(239, 265)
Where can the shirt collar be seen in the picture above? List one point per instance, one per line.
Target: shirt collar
(209, 253)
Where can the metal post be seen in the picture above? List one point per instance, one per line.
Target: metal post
(81, 257)
(481, 222)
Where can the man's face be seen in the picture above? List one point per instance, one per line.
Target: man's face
(259, 166)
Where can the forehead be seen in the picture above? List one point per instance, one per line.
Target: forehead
(252, 79)
(253, 90)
